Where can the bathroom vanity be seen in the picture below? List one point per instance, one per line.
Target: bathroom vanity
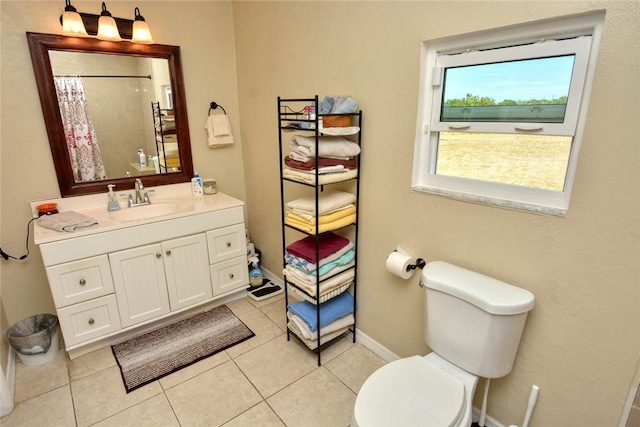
(142, 267)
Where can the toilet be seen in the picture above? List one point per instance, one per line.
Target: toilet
(473, 325)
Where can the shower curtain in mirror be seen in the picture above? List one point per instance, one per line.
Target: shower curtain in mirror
(82, 142)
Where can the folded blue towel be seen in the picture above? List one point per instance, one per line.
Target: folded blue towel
(331, 310)
(326, 105)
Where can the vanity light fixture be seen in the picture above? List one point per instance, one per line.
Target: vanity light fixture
(107, 28)
(141, 32)
(72, 24)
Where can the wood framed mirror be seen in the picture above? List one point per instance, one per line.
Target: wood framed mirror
(169, 103)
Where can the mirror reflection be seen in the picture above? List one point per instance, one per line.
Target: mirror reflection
(128, 114)
(117, 114)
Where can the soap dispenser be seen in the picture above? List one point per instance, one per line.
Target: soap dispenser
(113, 204)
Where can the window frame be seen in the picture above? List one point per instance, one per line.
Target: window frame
(537, 39)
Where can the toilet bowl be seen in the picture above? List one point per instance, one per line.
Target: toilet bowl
(473, 324)
(416, 391)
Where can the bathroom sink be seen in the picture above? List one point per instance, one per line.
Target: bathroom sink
(153, 210)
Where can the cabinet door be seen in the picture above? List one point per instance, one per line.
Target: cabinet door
(140, 284)
(226, 243)
(187, 267)
(229, 275)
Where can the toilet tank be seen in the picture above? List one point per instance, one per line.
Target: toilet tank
(472, 320)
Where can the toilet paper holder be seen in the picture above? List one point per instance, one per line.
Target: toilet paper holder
(420, 263)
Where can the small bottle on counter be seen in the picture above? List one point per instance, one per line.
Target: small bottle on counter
(196, 185)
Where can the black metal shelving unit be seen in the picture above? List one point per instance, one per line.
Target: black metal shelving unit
(159, 126)
(291, 118)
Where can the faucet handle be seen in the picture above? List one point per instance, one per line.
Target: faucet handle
(130, 201)
(146, 196)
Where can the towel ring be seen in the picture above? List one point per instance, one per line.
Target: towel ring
(215, 105)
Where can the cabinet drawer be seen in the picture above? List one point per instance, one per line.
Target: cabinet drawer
(80, 281)
(89, 320)
(226, 243)
(229, 275)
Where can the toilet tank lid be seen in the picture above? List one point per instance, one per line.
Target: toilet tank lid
(486, 293)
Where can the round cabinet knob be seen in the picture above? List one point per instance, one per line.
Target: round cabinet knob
(168, 252)
(228, 244)
(82, 282)
(91, 321)
(158, 255)
(230, 275)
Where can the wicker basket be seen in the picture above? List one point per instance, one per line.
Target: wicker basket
(336, 121)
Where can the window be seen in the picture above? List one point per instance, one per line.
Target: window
(501, 112)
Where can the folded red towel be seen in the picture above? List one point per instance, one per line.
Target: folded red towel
(328, 243)
(322, 161)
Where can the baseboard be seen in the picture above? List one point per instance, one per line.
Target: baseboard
(378, 349)
(7, 385)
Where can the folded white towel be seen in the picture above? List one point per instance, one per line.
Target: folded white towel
(328, 146)
(302, 326)
(219, 130)
(327, 202)
(313, 344)
(66, 221)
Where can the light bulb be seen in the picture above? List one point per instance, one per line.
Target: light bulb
(107, 28)
(141, 32)
(72, 24)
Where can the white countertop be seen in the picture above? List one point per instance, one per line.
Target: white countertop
(179, 196)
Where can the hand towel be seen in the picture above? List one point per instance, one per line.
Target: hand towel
(331, 310)
(218, 130)
(337, 281)
(66, 221)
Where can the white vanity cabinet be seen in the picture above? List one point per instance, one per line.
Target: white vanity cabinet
(110, 283)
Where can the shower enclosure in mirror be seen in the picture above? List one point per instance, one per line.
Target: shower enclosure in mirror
(105, 101)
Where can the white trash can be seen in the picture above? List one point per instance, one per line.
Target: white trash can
(35, 339)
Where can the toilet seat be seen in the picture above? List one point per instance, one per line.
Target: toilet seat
(410, 392)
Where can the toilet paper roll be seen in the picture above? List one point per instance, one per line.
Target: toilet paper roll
(399, 264)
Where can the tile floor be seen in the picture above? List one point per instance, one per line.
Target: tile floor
(264, 381)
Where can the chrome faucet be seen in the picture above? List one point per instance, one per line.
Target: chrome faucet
(140, 197)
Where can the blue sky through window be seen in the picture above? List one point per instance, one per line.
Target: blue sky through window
(539, 78)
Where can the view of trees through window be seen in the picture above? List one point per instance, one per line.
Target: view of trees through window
(530, 91)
